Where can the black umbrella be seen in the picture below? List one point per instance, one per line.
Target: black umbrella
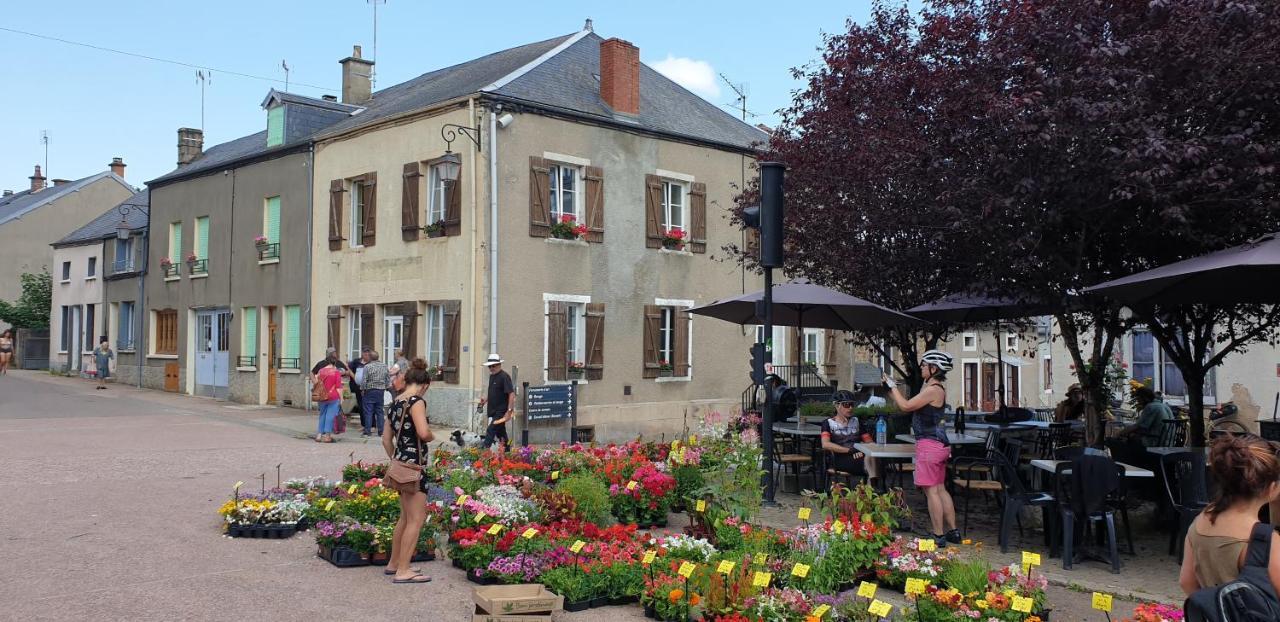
(809, 306)
(1241, 274)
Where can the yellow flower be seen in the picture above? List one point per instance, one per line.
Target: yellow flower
(982, 604)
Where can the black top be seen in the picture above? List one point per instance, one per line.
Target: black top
(499, 388)
(403, 432)
(354, 366)
(844, 435)
(320, 365)
(928, 423)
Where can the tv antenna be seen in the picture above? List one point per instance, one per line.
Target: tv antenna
(44, 140)
(373, 71)
(741, 90)
(204, 77)
(285, 65)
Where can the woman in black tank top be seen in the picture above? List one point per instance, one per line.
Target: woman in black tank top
(405, 439)
(932, 446)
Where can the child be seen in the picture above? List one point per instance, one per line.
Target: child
(102, 356)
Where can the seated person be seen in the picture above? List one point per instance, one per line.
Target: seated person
(1129, 445)
(840, 433)
(1072, 408)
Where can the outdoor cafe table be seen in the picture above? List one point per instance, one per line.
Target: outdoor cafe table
(1164, 451)
(1129, 470)
(1003, 427)
(798, 429)
(952, 437)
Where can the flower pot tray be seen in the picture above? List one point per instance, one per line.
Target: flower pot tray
(578, 606)
(342, 557)
(423, 556)
(481, 580)
(519, 599)
(481, 615)
(262, 531)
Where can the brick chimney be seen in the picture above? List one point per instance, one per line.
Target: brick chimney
(620, 76)
(357, 74)
(117, 166)
(37, 180)
(190, 145)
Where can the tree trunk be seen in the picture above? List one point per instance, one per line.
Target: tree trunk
(1195, 403)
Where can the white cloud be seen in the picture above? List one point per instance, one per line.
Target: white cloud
(695, 75)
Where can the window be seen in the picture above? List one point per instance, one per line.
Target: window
(673, 205)
(275, 126)
(811, 347)
(1154, 367)
(92, 271)
(354, 337)
(667, 336)
(1013, 385)
(175, 244)
(573, 344)
(124, 255)
(271, 220)
(292, 337)
(667, 339)
(564, 192)
(66, 272)
(67, 338)
(357, 213)
(887, 357)
(165, 325)
(201, 250)
(90, 311)
(437, 194)
(435, 334)
(124, 326)
(971, 385)
(969, 342)
(393, 334)
(1011, 342)
(248, 337)
(1046, 374)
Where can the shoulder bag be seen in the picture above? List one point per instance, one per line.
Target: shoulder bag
(403, 474)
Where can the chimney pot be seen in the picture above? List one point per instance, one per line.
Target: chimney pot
(620, 76)
(8, 193)
(329, 98)
(59, 182)
(190, 145)
(37, 180)
(357, 76)
(117, 166)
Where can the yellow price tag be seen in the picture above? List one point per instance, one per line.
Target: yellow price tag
(480, 516)
(725, 567)
(914, 586)
(351, 490)
(238, 485)
(555, 475)
(804, 513)
(867, 589)
(529, 533)
(1102, 602)
(926, 544)
(686, 569)
(1030, 559)
(761, 579)
(837, 527)
(800, 570)
(462, 500)
(494, 529)
(577, 546)
(329, 506)
(648, 557)
(1022, 604)
(761, 558)
(631, 485)
(675, 444)
(879, 608)
(701, 506)
(693, 439)
(820, 610)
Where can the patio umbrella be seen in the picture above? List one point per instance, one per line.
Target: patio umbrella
(808, 306)
(1240, 274)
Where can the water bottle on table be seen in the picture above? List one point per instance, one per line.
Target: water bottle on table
(882, 430)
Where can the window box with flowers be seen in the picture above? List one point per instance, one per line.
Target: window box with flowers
(666, 369)
(169, 268)
(196, 265)
(436, 372)
(577, 370)
(260, 241)
(568, 228)
(435, 229)
(673, 239)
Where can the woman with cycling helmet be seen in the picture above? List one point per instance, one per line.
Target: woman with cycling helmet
(840, 433)
(932, 446)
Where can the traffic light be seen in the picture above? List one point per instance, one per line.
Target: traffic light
(759, 359)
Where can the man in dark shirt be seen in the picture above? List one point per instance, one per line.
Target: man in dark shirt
(330, 354)
(354, 366)
(500, 403)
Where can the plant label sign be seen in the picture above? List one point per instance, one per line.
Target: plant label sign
(1030, 559)
(761, 579)
(701, 506)
(480, 516)
(837, 527)
(648, 557)
(494, 529)
(551, 402)
(577, 546)
(351, 490)
(926, 544)
(761, 558)
(867, 589)
(631, 485)
(329, 506)
(530, 533)
(686, 569)
(725, 567)
(800, 570)
(820, 610)
(804, 513)
(1022, 604)
(555, 475)
(1102, 602)
(914, 586)
(879, 608)
(462, 500)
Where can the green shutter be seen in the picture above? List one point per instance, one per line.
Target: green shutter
(202, 237)
(292, 331)
(275, 126)
(273, 220)
(175, 247)
(249, 344)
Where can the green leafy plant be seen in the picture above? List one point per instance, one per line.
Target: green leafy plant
(569, 582)
(32, 307)
(967, 576)
(590, 496)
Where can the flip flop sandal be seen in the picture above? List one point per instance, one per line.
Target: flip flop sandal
(418, 578)
(390, 573)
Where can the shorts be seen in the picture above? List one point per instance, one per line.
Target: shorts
(931, 463)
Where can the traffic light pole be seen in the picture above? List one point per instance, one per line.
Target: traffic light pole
(766, 428)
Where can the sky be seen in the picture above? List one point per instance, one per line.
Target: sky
(96, 104)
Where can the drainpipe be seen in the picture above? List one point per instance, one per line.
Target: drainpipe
(140, 346)
(311, 182)
(493, 231)
(471, 282)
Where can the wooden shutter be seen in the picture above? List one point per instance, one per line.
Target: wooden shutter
(829, 354)
(595, 341)
(453, 206)
(793, 346)
(336, 191)
(652, 333)
(539, 198)
(557, 340)
(409, 227)
(698, 217)
(452, 339)
(366, 326)
(370, 189)
(682, 319)
(334, 316)
(409, 341)
(594, 176)
(653, 212)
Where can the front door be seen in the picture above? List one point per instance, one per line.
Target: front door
(273, 361)
(74, 359)
(393, 337)
(212, 352)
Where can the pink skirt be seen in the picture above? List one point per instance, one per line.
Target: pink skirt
(931, 463)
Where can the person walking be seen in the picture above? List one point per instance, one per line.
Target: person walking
(500, 403)
(6, 350)
(102, 356)
(403, 441)
(355, 378)
(377, 378)
(329, 397)
(933, 448)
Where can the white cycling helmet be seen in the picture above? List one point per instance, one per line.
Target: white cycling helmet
(938, 358)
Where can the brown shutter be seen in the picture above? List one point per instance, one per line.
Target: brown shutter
(652, 332)
(595, 341)
(682, 319)
(452, 339)
(698, 217)
(557, 338)
(409, 311)
(409, 227)
(595, 203)
(366, 326)
(539, 198)
(653, 213)
(370, 236)
(829, 354)
(335, 215)
(453, 206)
(334, 317)
(793, 346)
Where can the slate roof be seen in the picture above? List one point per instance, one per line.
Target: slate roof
(104, 226)
(225, 153)
(24, 202)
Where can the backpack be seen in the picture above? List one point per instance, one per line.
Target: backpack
(1249, 598)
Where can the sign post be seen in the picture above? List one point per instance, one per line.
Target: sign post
(555, 402)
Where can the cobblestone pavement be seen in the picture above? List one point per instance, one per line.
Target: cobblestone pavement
(109, 514)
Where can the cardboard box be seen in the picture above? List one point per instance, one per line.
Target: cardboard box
(481, 616)
(506, 600)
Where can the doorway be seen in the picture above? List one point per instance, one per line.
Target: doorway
(213, 353)
(273, 354)
(393, 337)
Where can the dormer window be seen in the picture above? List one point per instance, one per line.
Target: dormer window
(275, 126)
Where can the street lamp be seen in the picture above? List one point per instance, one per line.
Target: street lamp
(123, 230)
(450, 166)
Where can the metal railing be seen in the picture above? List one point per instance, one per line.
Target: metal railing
(199, 266)
(268, 251)
(288, 363)
(247, 361)
(123, 345)
(122, 266)
(169, 270)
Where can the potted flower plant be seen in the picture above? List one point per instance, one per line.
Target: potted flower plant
(666, 369)
(568, 228)
(577, 369)
(673, 239)
(260, 241)
(435, 229)
(192, 258)
(436, 372)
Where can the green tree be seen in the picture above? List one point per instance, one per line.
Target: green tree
(32, 308)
